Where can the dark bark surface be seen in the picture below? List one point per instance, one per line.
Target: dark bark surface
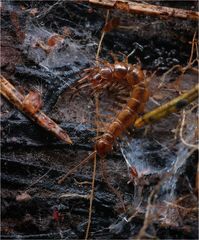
(32, 161)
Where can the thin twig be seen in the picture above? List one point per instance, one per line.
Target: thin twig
(91, 197)
(30, 106)
(94, 170)
(102, 37)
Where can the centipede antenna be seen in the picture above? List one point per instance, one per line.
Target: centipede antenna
(131, 53)
(137, 46)
(63, 178)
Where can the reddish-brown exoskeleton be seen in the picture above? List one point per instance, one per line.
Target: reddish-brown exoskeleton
(103, 76)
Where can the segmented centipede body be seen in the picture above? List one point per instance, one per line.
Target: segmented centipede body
(123, 120)
(106, 75)
(123, 73)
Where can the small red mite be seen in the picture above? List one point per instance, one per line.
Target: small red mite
(55, 215)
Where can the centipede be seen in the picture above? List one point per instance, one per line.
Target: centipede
(99, 78)
(106, 75)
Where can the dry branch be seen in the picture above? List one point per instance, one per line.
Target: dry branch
(146, 9)
(30, 106)
(170, 107)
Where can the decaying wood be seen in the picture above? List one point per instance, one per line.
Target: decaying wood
(172, 106)
(30, 105)
(147, 9)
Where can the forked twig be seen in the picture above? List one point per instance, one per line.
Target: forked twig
(172, 106)
(30, 105)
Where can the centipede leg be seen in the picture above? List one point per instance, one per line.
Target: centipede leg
(83, 79)
(83, 86)
(76, 90)
(99, 87)
(121, 99)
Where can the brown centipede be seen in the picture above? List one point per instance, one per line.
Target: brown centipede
(101, 77)
(104, 76)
